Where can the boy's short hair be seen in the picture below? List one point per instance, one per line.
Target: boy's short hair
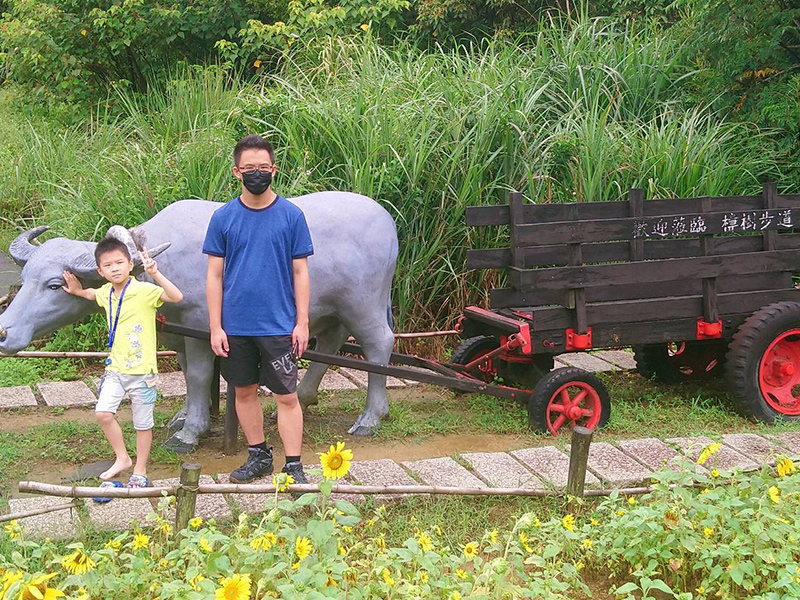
(109, 244)
(252, 142)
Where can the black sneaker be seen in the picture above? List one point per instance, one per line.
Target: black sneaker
(295, 470)
(258, 464)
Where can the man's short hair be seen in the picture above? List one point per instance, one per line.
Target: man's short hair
(252, 142)
(109, 244)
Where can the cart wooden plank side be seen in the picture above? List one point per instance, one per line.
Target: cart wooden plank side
(699, 287)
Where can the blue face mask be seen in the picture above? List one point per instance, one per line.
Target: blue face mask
(257, 182)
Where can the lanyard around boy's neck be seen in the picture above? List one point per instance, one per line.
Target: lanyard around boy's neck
(112, 327)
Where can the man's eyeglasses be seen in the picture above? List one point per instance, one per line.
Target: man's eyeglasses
(248, 169)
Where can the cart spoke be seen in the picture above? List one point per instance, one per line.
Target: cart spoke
(579, 397)
(565, 399)
(559, 408)
(559, 422)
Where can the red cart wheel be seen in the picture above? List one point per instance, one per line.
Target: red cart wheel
(568, 397)
(764, 364)
(473, 348)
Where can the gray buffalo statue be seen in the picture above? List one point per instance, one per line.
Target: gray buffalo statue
(355, 244)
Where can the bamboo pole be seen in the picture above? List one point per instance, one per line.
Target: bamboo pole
(38, 511)
(233, 488)
(47, 354)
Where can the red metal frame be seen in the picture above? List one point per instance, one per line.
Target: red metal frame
(708, 331)
(577, 341)
(520, 331)
(778, 375)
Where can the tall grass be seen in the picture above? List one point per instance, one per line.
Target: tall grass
(572, 112)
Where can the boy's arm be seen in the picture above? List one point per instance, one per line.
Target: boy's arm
(219, 340)
(73, 286)
(171, 292)
(302, 295)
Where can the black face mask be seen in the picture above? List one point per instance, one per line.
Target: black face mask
(257, 182)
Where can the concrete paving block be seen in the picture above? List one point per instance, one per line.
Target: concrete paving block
(753, 446)
(615, 467)
(172, 385)
(318, 477)
(654, 454)
(60, 524)
(332, 381)
(208, 506)
(361, 378)
(443, 472)
(790, 441)
(250, 503)
(549, 463)
(621, 358)
(18, 396)
(727, 458)
(66, 393)
(500, 470)
(119, 513)
(587, 362)
(382, 471)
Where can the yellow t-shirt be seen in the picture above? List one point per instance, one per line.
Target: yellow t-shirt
(134, 349)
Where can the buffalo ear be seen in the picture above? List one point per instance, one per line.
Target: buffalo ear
(85, 267)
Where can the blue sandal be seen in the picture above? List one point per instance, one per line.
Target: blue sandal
(138, 481)
(107, 484)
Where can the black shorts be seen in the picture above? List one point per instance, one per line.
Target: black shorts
(266, 360)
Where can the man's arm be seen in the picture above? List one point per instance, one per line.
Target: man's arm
(219, 340)
(302, 295)
(73, 286)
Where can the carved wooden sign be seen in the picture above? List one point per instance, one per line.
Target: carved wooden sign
(702, 224)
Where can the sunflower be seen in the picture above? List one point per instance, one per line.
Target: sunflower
(425, 542)
(262, 543)
(205, 545)
(456, 596)
(493, 536)
(708, 531)
(114, 545)
(387, 577)
(165, 528)
(331, 582)
(195, 522)
(707, 452)
(351, 576)
(774, 494)
(140, 541)
(235, 587)
(380, 543)
(568, 522)
(785, 467)
(461, 574)
(471, 550)
(336, 462)
(195, 582)
(13, 529)
(282, 481)
(302, 547)
(423, 577)
(8, 579)
(37, 589)
(342, 550)
(77, 563)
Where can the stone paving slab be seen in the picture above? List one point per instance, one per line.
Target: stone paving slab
(790, 441)
(499, 469)
(615, 467)
(443, 472)
(66, 393)
(58, 524)
(317, 478)
(250, 503)
(172, 385)
(119, 513)
(208, 506)
(549, 463)
(726, 458)
(653, 453)
(18, 396)
(382, 471)
(753, 446)
(361, 378)
(624, 360)
(586, 361)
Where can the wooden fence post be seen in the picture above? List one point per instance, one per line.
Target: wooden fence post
(215, 388)
(231, 423)
(186, 495)
(578, 457)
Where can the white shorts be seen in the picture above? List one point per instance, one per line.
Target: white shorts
(141, 389)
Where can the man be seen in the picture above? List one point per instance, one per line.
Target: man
(258, 292)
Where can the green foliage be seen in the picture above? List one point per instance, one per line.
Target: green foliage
(72, 49)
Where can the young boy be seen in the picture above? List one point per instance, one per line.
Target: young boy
(258, 292)
(130, 307)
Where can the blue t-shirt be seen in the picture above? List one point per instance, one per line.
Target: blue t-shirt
(258, 246)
